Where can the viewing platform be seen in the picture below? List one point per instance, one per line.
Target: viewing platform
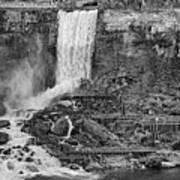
(28, 6)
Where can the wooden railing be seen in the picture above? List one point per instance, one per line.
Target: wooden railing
(28, 6)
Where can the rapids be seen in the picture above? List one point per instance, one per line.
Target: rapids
(12, 168)
(74, 50)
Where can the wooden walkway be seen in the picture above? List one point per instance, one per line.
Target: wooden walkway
(28, 6)
(89, 97)
(114, 151)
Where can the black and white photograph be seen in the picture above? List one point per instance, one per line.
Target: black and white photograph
(89, 89)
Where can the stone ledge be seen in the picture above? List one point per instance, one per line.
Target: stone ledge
(116, 20)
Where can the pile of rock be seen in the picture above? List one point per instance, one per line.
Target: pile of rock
(2, 109)
(4, 137)
(63, 130)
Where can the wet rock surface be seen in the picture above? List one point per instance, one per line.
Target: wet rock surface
(50, 128)
(100, 133)
(4, 123)
(176, 145)
(94, 132)
(147, 51)
(4, 138)
(2, 109)
(40, 177)
(85, 131)
(61, 127)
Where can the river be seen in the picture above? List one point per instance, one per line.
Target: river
(167, 174)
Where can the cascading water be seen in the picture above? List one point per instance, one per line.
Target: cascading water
(75, 44)
(74, 50)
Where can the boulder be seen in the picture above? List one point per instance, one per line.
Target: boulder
(2, 109)
(4, 123)
(93, 166)
(176, 145)
(61, 127)
(154, 162)
(10, 165)
(168, 164)
(174, 111)
(4, 138)
(116, 162)
(32, 168)
(37, 127)
(100, 133)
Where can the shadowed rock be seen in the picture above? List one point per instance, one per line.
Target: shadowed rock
(176, 145)
(102, 134)
(2, 109)
(4, 138)
(4, 123)
(61, 127)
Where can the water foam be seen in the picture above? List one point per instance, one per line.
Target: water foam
(11, 168)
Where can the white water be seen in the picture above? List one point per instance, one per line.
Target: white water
(75, 44)
(74, 51)
(43, 162)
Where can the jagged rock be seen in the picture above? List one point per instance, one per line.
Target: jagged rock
(4, 123)
(100, 133)
(74, 166)
(4, 138)
(10, 165)
(168, 164)
(43, 177)
(154, 162)
(116, 162)
(93, 166)
(40, 127)
(174, 111)
(61, 127)
(2, 109)
(176, 145)
(32, 168)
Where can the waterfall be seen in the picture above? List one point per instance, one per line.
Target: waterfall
(75, 44)
(76, 33)
(74, 50)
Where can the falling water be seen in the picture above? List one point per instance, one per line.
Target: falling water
(75, 44)
(74, 49)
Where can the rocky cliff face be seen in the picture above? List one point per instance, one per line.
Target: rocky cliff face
(137, 43)
(143, 44)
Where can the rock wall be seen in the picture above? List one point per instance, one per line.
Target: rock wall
(142, 45)
(136, 49)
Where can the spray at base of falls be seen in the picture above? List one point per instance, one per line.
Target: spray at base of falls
(11, 168)
(74, 50)
(75, 44)
(44, 98)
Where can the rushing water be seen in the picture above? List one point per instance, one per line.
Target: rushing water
(75, 44)
(74, 50)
